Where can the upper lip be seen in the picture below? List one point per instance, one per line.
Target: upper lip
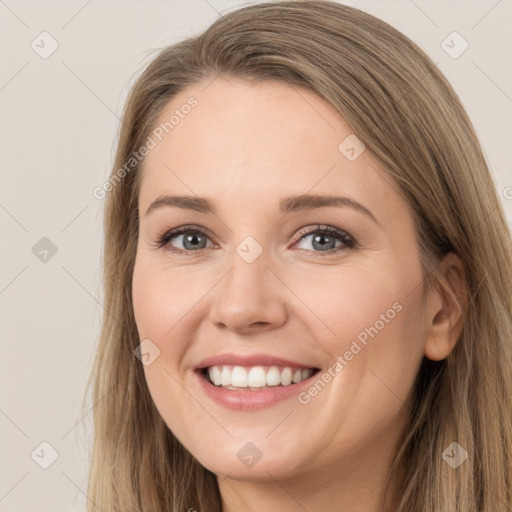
(249, 360)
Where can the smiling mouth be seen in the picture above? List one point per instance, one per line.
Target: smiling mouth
(255, 378)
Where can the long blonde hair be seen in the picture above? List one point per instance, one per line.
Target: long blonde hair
(408, 116)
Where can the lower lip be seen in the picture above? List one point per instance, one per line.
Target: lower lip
(247, 400)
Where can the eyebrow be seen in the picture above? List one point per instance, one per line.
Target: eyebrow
(288, 204)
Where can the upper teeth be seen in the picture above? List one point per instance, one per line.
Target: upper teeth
(257, 376)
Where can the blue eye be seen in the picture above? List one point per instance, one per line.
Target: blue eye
(193, 238)
(324, 239)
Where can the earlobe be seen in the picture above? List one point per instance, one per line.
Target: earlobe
(445, 306)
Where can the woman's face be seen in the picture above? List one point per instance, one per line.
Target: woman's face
(275, 285)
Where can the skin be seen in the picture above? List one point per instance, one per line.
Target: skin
(241, 143)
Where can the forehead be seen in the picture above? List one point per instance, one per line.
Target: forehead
(247, 141)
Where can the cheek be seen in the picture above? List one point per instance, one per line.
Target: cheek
(161, 298)
(370, 321)
(160, 303)
(351, 303)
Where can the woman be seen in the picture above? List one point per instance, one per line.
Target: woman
(307, 274)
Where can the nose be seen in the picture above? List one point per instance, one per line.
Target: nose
(250, 299)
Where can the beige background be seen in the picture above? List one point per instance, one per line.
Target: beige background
(59, 120)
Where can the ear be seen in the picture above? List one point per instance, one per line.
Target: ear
(445, 305)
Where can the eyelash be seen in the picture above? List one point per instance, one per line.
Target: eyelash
(348, 241)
